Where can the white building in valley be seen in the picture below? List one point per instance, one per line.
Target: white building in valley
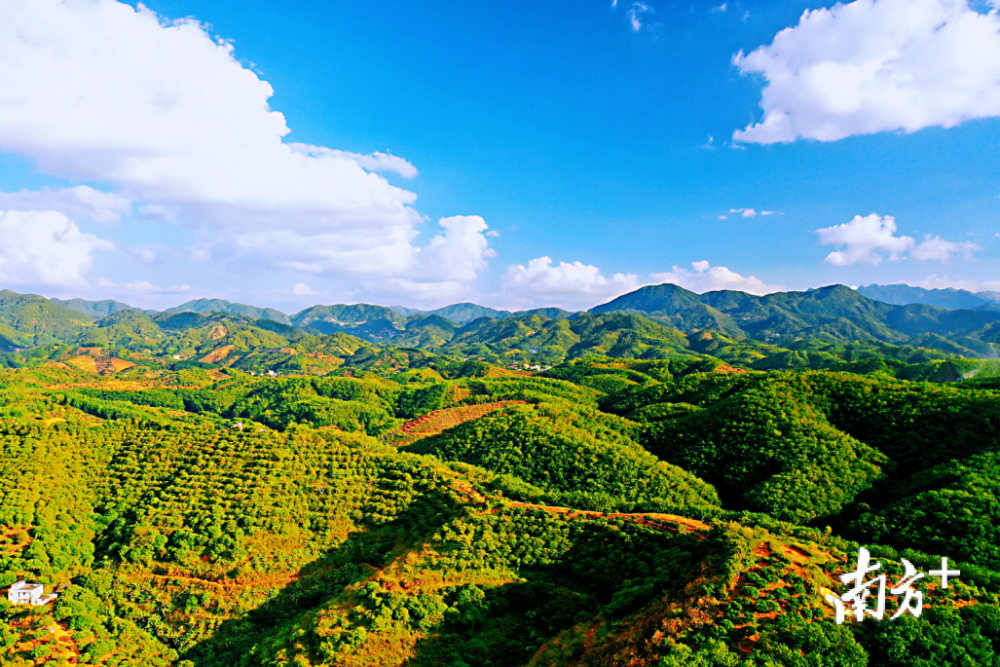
(34, 594)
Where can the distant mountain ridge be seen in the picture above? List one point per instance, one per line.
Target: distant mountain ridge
(834, 314)
(95, 309)
(221, 306)
(460, 313)
(949, 297)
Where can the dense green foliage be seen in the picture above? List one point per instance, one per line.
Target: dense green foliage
(953, 508)
(768, 449)
(645, 503)
(587, 458)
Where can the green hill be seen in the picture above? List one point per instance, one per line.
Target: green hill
(95, 309)
(628, 513)
(543, 340)
(581, 457)
(221, 306)
(28, 320)
(835, 314)
(374, 323)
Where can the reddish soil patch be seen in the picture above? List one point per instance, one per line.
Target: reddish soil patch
(215, 356)
(726, 368)
(435, 422)
(795, 553)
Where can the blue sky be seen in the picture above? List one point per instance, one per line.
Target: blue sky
(564, 153)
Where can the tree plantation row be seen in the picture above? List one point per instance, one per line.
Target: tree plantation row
(608, 511)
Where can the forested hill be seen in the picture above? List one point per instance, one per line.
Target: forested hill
(834, 313)
(605, 513)
(822, 328)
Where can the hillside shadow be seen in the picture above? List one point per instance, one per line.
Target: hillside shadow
(592, 583)
(500, 626)
(370, 548)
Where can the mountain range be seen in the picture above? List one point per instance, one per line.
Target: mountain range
(656, 321)
(949, 297)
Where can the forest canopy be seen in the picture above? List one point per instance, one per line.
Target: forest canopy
(400, 507)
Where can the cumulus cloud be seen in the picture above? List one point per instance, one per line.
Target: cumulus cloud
(100, 91)
(567, 279)
(459, 253)
(937, 248)
(708, 278)
(45, 248)
(456, 254)
(301, 289)
(380, 162)
(79, 202)
(876, 65)
(868, 239)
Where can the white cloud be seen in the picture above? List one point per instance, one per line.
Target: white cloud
(100, 91)
(939, 249)
(494, 233)
(708, 278)
(868, 239)
(746, 212)
(146, 286)
(159, 212)
(375, 162)
(302, 289)
(876, 65)
(457, 254)
(540, 277)
(721, 8)
(635, 12)
(45, 248)
(79, 202)
(723, 217)
(935, 281)
(145, 256)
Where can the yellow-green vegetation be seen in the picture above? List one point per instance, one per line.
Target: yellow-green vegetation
(584, 458)
(662, 511)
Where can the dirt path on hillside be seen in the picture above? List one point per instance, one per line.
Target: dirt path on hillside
(271, 581)
(656, 520)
